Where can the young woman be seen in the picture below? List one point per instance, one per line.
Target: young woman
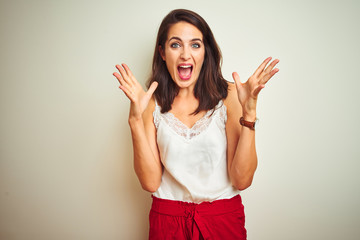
(193, 133)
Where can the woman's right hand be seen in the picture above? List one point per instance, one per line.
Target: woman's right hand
(134, 91)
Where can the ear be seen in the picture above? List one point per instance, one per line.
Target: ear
(162, 53)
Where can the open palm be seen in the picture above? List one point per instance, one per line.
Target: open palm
(248, 91)
(134, 91)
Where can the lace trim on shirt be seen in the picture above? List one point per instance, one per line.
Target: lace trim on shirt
(156, 115)
(201, 125)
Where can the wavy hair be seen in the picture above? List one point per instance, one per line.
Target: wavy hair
(210, 87)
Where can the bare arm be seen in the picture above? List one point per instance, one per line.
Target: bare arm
(241, 152)
(147, 163)
(241, 101)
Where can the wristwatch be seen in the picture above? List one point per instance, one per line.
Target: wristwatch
(247, 124)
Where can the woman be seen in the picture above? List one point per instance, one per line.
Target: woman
(193, 133)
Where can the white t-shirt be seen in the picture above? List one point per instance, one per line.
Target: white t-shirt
(194, 159)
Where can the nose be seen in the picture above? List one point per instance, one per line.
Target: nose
(185, 53)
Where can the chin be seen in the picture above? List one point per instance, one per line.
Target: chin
(185, 83)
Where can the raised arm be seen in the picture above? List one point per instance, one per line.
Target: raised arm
(241, 102)
(147, 163)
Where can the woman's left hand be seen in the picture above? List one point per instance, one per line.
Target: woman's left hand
(249, 91)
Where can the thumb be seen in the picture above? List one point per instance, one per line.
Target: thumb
(236, 78)
(152, 88)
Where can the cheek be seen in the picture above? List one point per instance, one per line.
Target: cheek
(171, 67)
(200, 57)
(170, 60)
(200, 61)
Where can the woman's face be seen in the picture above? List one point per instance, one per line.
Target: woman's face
(184, 54)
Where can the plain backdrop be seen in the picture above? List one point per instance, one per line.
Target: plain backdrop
(66, 168)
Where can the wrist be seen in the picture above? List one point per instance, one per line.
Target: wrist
(250, 117)
(249, 124)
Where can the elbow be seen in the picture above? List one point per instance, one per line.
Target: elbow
(242, 183)
(149, 182)
(242, 180)
(150, 187)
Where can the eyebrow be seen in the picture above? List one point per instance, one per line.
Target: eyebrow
(192, 40)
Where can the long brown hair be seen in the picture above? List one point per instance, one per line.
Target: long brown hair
(210, 87)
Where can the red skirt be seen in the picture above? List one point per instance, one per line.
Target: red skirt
(220, 219)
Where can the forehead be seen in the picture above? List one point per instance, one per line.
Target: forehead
(184, 31)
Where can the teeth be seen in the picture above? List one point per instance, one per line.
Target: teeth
(187, 66)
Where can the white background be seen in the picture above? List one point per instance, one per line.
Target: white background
(66, 155)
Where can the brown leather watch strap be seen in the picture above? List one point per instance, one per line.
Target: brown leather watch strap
(247, 124)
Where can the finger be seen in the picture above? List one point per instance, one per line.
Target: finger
(119, 78)
(128, 72)
(121, 81)
(124, 75)
(127, 92)
(152, 88)
(268, 76)
(237, 81)
(271, 66)
(262, 67)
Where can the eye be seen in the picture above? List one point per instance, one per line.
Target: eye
(195, 45)
(175, 45)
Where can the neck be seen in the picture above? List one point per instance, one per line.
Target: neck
(186, 93)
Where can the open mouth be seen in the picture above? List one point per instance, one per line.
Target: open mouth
(185, 71)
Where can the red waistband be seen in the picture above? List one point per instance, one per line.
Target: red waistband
(184, 209)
